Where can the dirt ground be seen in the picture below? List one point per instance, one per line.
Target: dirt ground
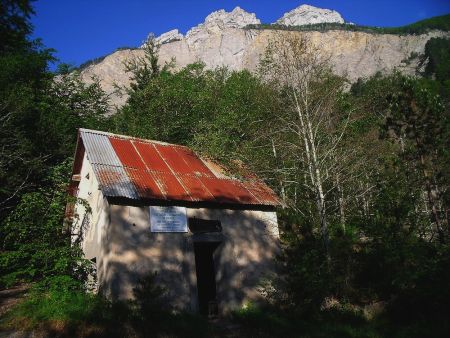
(10, 297)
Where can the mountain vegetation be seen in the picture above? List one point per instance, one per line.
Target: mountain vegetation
(441, 23)
(39, 112)
(364, 170)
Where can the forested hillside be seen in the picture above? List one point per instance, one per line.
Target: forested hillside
(441, 23)
(364, 170)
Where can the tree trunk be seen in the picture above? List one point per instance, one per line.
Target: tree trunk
(341, 202)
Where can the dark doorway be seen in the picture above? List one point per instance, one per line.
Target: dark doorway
(206, 277)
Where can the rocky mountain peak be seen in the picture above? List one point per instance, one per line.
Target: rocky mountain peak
(237, 18)
(306, 15)
(170, 36)
(220, 20)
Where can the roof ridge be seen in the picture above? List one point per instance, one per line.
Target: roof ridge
(125, 137)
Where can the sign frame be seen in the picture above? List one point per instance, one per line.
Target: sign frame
(168, 219)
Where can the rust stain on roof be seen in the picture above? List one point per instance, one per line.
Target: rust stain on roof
(144, 169)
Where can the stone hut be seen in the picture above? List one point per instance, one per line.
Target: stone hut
(153, 207)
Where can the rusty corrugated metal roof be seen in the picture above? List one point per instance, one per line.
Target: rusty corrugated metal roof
(107, 167)
(143, 169)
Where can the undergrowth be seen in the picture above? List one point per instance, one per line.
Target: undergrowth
(64, 310)
(345, 322)
(71, 313)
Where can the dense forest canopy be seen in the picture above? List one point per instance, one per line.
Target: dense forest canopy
(365, 173)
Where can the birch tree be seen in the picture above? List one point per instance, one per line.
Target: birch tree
(309, 132)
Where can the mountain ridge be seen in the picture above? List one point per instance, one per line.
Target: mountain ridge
(237, 39)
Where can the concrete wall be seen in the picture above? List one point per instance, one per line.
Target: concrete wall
(92, 218)
(119, 237)
(250, 243)
(132, 251)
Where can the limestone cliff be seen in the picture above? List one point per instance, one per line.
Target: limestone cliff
(308, 15)
(224, 40)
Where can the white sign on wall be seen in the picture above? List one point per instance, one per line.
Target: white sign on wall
(168, 219)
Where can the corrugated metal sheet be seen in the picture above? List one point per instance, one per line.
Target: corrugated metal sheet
(171, 186)
(127, 153)
(108, 169)
(142, 169)
(145, 184)
(151, 157)
(194, 163)
(197, 190)
(228, 191)
(173, 159)
(114, 181)
(262, 193)
(99, 149)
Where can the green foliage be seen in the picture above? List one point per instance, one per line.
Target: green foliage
(167, 108)
(259, 322)
(421, 27)
(271, 322)
(59, 306)
(22, 79)
(68, 104)
(39, 111)
(416, 117)
(437, 50)
(58, 298)
(144, 69)
(149, 300)
(14, 24)
(39, 117)
(34, 246)
(394, 252)
(437, 55)
(218, 112)
(235, 128)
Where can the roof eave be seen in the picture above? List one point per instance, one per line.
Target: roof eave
(191, 204)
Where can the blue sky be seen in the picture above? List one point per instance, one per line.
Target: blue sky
(81, 29)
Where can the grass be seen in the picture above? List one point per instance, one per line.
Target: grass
(77, 314)
(421, 27)
(256, 322)
(52, 312)
(342, 323)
